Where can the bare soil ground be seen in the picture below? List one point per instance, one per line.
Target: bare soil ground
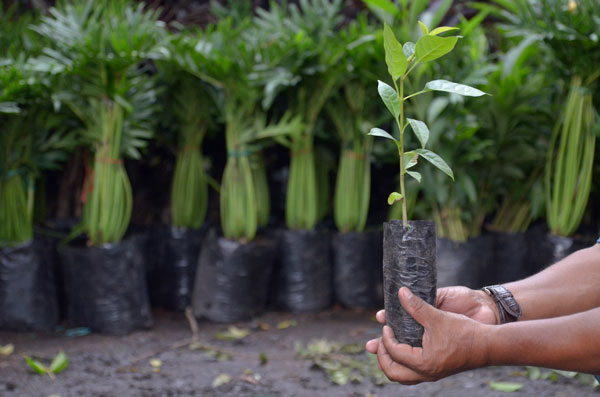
(263, 363)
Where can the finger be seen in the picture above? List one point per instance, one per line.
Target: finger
(380, 316)
(401, 353)
(421, 311)
(395, 371)
(442, 293)
(372, 346)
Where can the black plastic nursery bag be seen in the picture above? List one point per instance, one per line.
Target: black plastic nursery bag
(232, 279)
(304, 280)
(408, 260)
(466, 263)
(106, 287)
(357, 271)
(171, 279)
(28, 299)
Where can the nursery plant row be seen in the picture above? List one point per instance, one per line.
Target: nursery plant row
(109, 78)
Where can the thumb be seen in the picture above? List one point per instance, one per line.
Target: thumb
(421, 311)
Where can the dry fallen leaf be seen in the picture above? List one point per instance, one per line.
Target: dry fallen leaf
(7, 350)
(221, 380)
(155, 363)
(233, 334)
(287, 324)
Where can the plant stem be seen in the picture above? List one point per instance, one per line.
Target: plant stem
(401, 149)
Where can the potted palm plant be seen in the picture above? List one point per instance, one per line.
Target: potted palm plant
(99, 50)
(32, 139)
(409, 248)
(306, 74)
(187, 119)
(356, 272)
(234, 270)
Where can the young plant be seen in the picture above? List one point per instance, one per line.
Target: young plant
(99, 49)
(225, 56)
(189, 189)
(310, 64)
(32, 137)
(401, 60)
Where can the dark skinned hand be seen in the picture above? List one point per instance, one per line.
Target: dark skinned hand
(451, 342)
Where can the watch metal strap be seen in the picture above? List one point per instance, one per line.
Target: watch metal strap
(507, 305)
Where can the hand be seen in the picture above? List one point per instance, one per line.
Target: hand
(474, 304)
(451, 343)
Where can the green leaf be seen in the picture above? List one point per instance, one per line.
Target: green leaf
(421, 131)
(415, 175)
(508, 387)
(409, 49)
(393, 197)
(441, 29)
(410, 159)
(455, 88)
(468, 186)
(340, 377)
(394, 56)
(385, 5)
(124, 103)
(9, 107)
(381, 133)
(534, 373)
(437, 161)
(429, 48)
(389, 97)
(37, 366)
(263, 359)
(424, 28)
(566, 374)
(59, 363)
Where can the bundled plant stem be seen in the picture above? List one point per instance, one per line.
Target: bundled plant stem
(570, 160)
(189, 189)
(353, 184)
(107, 209)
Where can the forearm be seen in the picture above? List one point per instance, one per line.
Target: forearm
(570, 343)
(567, 287)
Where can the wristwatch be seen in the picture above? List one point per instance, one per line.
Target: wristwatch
(507, 305)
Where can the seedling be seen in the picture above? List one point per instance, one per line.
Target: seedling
(401, 60)
(59, 363)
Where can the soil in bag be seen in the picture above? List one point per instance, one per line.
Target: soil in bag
(408, 260)
(303, 276)
(28, 299)
(106, 287)
(357, 270)
(464, 263)
(171, 278)
(232, 279)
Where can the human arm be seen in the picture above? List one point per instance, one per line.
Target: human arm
(453, 343)
(569, 286)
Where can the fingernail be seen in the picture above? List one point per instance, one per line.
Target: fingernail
(407, 293)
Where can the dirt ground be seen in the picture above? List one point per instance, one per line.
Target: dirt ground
(264, 363)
